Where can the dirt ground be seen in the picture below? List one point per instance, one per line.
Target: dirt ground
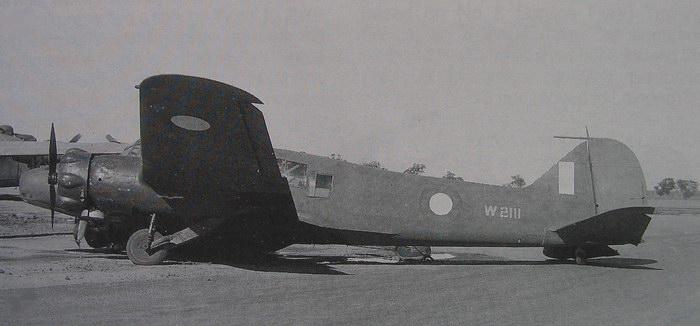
(48, 280)
(19, 218)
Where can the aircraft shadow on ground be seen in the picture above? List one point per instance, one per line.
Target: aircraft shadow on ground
(106, 253)
(622, 263)
(265, 263)
(625, 263)
(323, 264)
(283, 265)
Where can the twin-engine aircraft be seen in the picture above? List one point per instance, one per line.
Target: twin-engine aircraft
(206, 175)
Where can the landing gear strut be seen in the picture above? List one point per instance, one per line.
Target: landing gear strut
(138, 248)
(580, 256)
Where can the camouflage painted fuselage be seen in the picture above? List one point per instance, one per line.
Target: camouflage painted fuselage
(384, 207)
(345, 203)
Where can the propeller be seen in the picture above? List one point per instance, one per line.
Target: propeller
(75, 138)
(112, 139)
(53, 177)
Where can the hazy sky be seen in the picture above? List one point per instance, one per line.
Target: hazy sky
(478, 88)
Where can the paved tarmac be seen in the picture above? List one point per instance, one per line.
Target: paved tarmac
(45, 280)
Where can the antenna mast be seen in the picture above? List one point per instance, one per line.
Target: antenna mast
(590, 167)
(590, 164)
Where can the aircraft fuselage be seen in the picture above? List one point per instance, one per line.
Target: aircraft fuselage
(384, 207)
(341, 202)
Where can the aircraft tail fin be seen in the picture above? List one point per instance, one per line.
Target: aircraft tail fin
(615, 227)
(597, 176)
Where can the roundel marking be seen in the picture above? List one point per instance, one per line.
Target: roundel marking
(440, 203)
(190, 123)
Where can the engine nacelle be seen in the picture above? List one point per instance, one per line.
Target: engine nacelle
(115, 186)
(109, 183)
(72, 173)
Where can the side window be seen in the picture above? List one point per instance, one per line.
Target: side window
(294, 172)
(323, 184)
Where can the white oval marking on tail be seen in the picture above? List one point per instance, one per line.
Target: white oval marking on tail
(190, 123)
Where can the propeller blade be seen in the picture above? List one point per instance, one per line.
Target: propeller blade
(112, 139)
(52, 194)
(53, 178)
(75, 138)
(53, 156)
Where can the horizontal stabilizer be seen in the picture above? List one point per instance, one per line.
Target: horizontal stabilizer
(615, 227)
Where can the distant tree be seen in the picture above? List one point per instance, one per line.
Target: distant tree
(374, 164)
(450, 175)
(416, 168)
(336, 156)
(688, 188)
(665, 186)
(517, 182)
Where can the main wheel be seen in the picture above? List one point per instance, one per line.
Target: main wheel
(136, 249)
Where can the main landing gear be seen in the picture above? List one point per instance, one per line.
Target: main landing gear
(580, 256)
(138, 248)
(149, 247)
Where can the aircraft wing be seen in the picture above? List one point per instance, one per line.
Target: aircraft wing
(205, 147)
(34, 148)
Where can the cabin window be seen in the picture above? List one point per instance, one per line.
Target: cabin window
(322, 186)
(294, 172)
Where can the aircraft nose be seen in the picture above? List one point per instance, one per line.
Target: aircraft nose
(34, 187)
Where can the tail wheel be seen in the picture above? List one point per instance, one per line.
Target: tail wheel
(580, 255)
(137, 246)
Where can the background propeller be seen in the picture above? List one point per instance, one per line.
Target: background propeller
(75, 138)
(111, 139)
(53, 177)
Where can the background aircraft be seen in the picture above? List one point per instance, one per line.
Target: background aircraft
(207, 177)
(20, 152)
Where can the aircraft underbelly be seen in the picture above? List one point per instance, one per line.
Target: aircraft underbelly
(469, 232)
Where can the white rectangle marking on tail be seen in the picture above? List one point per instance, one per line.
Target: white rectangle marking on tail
(566, 178)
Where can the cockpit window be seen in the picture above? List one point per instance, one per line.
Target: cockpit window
(294, 172)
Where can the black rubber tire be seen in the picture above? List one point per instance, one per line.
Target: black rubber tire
(136, 249)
